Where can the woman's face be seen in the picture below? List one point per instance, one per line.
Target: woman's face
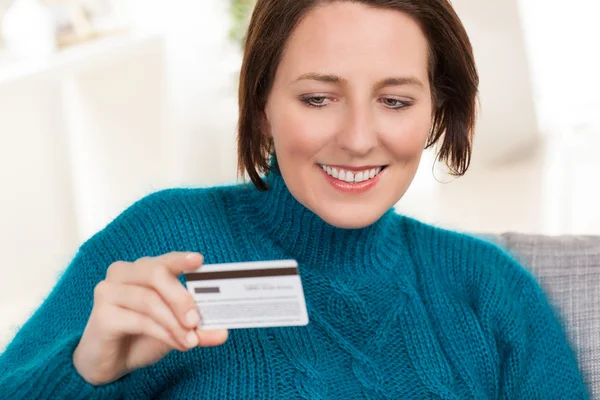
(350, 111)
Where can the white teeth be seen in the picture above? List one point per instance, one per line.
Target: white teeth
(349, 176)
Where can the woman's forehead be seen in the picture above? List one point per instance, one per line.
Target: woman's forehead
(346, 38)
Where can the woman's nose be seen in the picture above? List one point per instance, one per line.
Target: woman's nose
(358, 135)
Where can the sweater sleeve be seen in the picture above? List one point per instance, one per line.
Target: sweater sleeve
(38, 363)
(537, 361)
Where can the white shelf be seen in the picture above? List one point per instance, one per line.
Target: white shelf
(93, 55)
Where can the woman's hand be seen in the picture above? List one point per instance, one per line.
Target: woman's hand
(141, 312)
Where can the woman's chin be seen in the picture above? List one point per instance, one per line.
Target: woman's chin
(350, 219)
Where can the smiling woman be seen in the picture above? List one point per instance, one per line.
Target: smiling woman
(381, 107)
(338, 100)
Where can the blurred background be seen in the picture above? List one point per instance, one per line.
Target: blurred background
(105, 101)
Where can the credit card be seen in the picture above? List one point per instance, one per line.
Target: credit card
(248, 295)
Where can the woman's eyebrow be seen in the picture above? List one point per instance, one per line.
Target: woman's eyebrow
(392, 81)
(400, 81)
(327, 78)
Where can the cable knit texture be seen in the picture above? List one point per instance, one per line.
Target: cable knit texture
(398, 310)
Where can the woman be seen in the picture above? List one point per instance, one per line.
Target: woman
(346, 94)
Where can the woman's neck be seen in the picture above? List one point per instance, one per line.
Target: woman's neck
(303, 235)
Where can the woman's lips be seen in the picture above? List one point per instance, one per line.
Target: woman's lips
(353, 188)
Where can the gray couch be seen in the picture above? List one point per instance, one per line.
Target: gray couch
(568, 268)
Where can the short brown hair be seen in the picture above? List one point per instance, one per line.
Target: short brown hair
(452, 74)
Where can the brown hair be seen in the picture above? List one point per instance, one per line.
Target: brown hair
(452, 74)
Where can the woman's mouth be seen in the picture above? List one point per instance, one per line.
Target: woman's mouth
(351, 176)
(352, 180)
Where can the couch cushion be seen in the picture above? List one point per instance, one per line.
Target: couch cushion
(568, 269)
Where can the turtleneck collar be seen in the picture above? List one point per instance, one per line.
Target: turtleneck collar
(304, 236)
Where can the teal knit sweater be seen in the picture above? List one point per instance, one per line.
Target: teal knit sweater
(398, 310)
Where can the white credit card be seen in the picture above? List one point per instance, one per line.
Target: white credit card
(248, 295)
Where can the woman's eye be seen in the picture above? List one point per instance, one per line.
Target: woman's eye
(394, 104)
(315, 101)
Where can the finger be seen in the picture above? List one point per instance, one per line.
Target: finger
(180, 262)
(126, 322)
(146, 301)
(176, 262)
(177, 297)
(212, 338)
(147, 272)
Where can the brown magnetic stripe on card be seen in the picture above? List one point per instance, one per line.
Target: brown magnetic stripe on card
(247, 273)
(204, 290)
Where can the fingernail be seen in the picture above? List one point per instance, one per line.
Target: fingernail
(192, 318)
(191, 339)
(224, 333)
(194, 257)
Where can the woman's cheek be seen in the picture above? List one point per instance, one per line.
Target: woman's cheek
(406, 138)
(305, 130)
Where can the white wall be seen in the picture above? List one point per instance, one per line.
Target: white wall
(202, 65)
(507, 126)
(561, 40)
(116, 135)
(38, 226)
(83, 137)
